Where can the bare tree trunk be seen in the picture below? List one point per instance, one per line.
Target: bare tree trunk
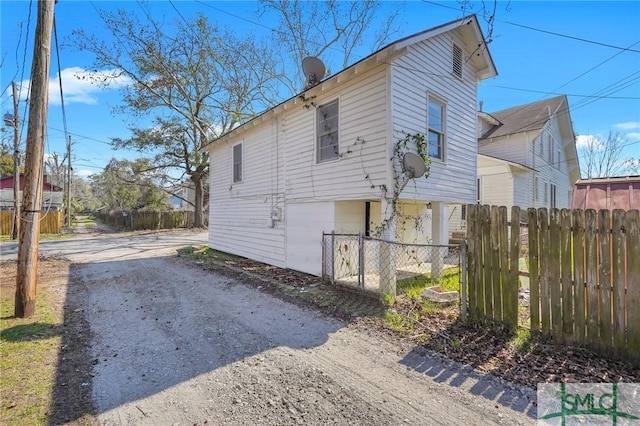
(198, 217)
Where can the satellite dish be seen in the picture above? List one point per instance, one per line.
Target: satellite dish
(413, 165)
(314, 69)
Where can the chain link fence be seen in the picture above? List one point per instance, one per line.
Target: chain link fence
(375, 266)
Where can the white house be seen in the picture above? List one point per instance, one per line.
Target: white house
(526, 157)
(322, 160)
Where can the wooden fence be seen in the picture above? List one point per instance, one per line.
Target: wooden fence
(148, 220)
(50, 222)
(583, 268)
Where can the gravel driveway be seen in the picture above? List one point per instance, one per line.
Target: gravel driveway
(173, 344)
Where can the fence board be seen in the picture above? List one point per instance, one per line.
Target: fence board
(534, 274)
(578, 276)
(632, 225)
(472, 247)
(555, 291)
(511, 298)
(618, 280)
(545, 262)
(566, 272)
(487, 307)
(496, 276)
(604, 278)
(591, 259)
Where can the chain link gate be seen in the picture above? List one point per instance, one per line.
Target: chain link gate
(374, 266)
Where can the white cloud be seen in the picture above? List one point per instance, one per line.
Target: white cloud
(83, 173)
(590, 142)
(628, 125)
(79, 85)
(633, 136)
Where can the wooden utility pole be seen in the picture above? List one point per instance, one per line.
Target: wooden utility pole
(69, 183)
(16, 163)
(34, 174)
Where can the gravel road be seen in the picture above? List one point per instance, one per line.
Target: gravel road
(173, 344)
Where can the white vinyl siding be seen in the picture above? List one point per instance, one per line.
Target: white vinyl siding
(452, 180)
(328, 132)
(364, 153)
(237, 163)
(240, 215)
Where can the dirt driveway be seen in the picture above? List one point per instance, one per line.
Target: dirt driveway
(174, 344)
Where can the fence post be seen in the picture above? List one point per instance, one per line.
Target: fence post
(360, 260)
(333, 263)
(463, 280)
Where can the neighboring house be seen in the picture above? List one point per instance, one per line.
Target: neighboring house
(621, 192)
(182, 196)
(526, 157)
(51, 194)
(320, 161)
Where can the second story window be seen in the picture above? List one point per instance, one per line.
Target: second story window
(435, 126)
(328, 147)
(237, 163)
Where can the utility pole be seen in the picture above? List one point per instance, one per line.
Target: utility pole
(69, 183)
(25, 301)
(16, 163)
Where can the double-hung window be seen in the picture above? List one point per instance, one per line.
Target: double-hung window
(328, 147)
(237, 163)
(435, 126)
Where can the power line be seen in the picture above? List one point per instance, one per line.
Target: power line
(624, 49)
(572, 37)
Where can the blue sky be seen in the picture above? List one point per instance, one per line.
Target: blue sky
(600, 77)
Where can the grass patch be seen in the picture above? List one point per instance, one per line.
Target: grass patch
(204, 252)
(28, 358)
(450, 281)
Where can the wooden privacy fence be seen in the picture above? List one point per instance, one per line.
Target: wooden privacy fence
(50, 222)
(584, 274)
(148, 220)
(493, 259)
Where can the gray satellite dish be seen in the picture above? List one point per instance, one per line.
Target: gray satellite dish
(413, 165)
(314, 70)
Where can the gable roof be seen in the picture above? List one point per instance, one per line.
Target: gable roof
(469, 25)
(524, 118)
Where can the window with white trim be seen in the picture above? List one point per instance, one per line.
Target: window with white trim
(456, 60)
(435, 127)
(536, 189)
(479, 191)
(552, 203)
(546, 192)
(237, 163)
(328, 147)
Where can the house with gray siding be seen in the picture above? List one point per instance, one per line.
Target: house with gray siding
(326, 159)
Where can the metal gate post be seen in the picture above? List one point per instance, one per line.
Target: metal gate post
(360, 260)
(333, 258)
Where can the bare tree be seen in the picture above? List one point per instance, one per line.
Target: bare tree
(312, 28)
(197, 80)
(605, 158)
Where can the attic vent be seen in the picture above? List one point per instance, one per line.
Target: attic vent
(456, 60)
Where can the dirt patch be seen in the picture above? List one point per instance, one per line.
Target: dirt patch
(489, 348)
